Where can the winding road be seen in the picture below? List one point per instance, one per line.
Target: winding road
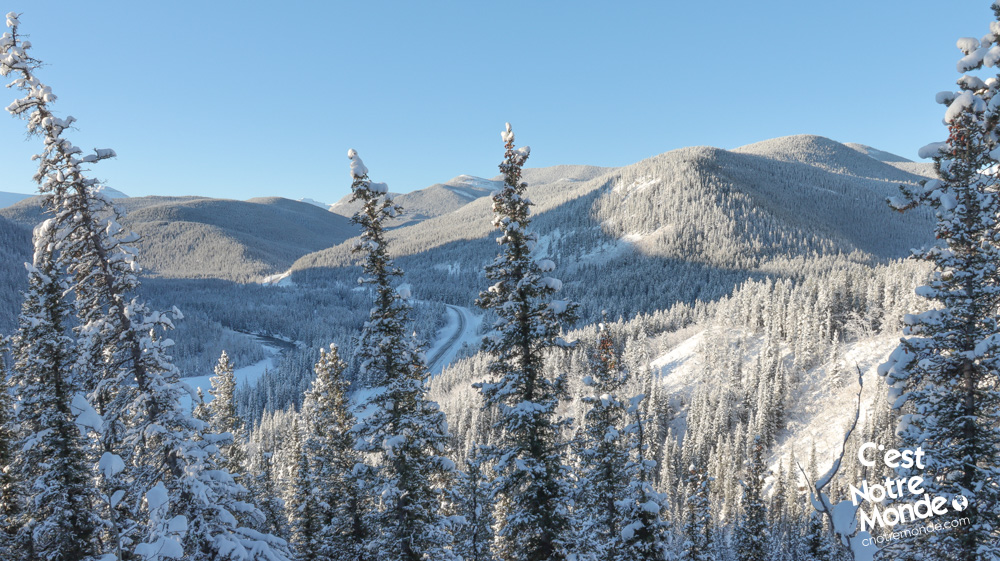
(462, 327)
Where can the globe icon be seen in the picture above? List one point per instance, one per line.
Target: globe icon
(960, 503)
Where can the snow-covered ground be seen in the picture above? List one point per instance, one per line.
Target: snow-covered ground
(678, 367)
(822, 408)
(822, 411)
(246, 376)
(462, 328)
(280, 279)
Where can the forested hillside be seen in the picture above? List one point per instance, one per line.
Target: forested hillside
(705, 218)
(193, 237)
(15, 250)
(687, 226)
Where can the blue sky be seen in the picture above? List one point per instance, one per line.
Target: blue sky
(246, 99)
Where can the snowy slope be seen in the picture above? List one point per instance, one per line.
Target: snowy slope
(823, 412)
(314, 202)
(830, 155)
(676, 368)
(472, 219)
(879, 155)
(819, 413)
(114, 193)
(246, 376)
(453, 195)
(923, 169)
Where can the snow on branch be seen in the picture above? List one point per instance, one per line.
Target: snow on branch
(358, 168)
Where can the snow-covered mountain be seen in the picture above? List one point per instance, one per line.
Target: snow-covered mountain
(747, 288)
(879, 155)
(446, 198)
(686, 226)
(707, 218)
(429, 202)
(114, 193)
(195, 237)
(7, 199)
(314, 202)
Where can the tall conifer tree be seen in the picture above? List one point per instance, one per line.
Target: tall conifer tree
(698, 534)
(471, 495)
(53, 461)
(603, 453)
(945, 374)
(403, 432)
(223, 416)
(529, 453)
(751, 529)
(166, 495)
(329, 443)
(305, 511)
(617, 513)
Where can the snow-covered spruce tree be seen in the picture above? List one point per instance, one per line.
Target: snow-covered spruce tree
(645, 530)
(329, 443)
(11, 490)
(164, 493)
(223, 417)
(603, 456)
(403, 433)
(816, 544)
(199, 408)
(671, 475)
(698, 544)
(53, 462)
(264, 490)
(471, 495)
(305, 513)
(615, 493)
(751, 533)
(531, 475)
(946, 371)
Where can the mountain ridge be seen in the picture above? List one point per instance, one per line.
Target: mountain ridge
(706, 217)
(200, 237)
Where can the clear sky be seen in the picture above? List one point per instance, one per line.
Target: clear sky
(245, 99)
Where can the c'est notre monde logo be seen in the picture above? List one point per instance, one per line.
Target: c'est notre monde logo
(898, 489)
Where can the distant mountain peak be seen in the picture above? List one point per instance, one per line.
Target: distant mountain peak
(472, 181)
(879, 155)
(114, 193)
(8, 199)
(797, 147)
(314, 202)
(821, 152)
(793, 147)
